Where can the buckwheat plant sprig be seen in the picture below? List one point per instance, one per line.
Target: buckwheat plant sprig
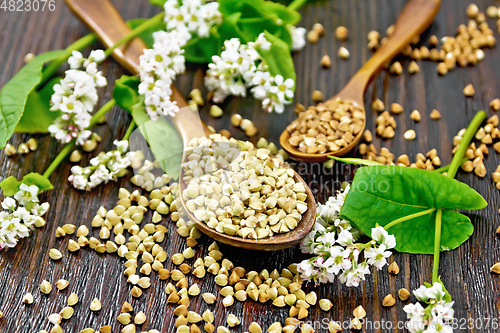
(437, 316)
(333, 242)
(21, 213)
(160, 65)
(158, 68)
(76, 96)
(239, 67)
(103, 168)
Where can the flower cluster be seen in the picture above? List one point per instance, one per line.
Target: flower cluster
(239, 67)
(76, 96)
(195, 16)
(158, 68)
(20, 214)
(436, 317)
(333, 244)
(160, 65)
(103, 168)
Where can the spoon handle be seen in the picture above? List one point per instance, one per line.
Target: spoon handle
(415, 17)
(101, 17)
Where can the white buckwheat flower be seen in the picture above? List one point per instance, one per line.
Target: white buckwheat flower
(336, 253)
(26, 194)
(71, 126)
(160, 65)
(76, 96)
(196, 16)
(260, 43)
(298, 37)
(16, 221)
(345, 238)
(9, 204)
(240, 67)
(103, 168)
(377, 256)
(436, 317)
(158, 68)
(380, 235)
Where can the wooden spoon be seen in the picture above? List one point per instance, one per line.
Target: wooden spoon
(101, 17)
(415, 17)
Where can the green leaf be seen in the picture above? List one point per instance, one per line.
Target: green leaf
(164, 141)
(158, 2)
(37, 116)
(10, 185)
(271, 11)
(246, 19)
(243, 19)
(230, 29)
(356, 161)
(14, 94)
(417, 235)
(279, 58)
(37, 179)
(125, 92)
(382, 194)
(200, 50)
(147, 35)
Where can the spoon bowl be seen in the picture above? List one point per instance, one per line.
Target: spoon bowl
(273, 243)
(101, 17)
(306, 157)
(186, 122)
(415, 17)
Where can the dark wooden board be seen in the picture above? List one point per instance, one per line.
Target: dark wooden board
(464, 271)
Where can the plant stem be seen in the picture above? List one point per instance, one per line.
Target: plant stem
(409, 217)
(135, 32)
(54, 65)
(452, 171)
(464, 144)
(296, 4)
(446, 167)
(66, 150)
(59, 158)
(129, 130)
(437, 246)
(101, 112)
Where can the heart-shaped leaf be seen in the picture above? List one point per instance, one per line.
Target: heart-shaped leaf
(383, 194)
(14, 94)
(162, 138)
(37, 116)
(278, 58)
(10, 185)
(200, 50)
(125, 92)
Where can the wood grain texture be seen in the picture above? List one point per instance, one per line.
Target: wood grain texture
(465, 271)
